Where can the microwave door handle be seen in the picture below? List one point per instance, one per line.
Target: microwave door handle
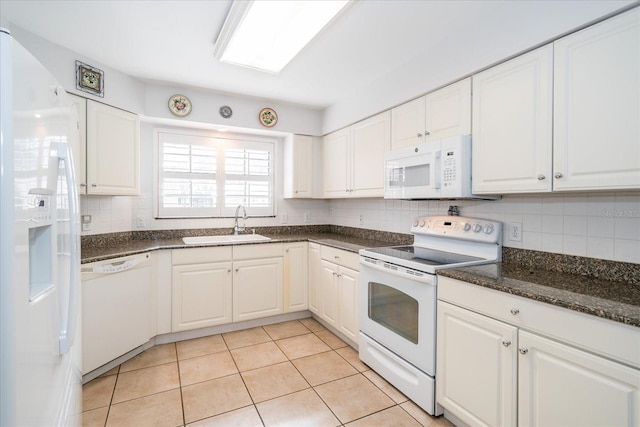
(438, 171)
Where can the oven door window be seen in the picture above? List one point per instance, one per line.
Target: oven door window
(394, 310)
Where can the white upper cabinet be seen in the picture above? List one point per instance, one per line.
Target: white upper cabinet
(113, 150)
(448, 111)
(298, 170)
(597, 106)
(80, 157)
(353, 158)
(512, 127)
(440, 114)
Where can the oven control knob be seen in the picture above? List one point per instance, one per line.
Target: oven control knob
(415, 223)
(477, 228)
(422, 223)
(488, 229)
(467, 226)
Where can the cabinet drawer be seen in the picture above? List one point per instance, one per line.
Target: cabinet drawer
(338, 256)
(265, 250)
(199, 255)
(611, 339)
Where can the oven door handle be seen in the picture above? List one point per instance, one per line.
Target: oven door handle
(397, 270)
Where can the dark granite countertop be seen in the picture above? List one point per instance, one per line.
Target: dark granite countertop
(105, 247)
(613, 300)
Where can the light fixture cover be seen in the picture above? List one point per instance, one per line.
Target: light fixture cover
(268, 34)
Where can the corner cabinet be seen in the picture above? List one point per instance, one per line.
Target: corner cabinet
(504, 360)
(439, 114)
(596, 108)
(353, 158)
(113, 150)
(314, 266)
(298, 170)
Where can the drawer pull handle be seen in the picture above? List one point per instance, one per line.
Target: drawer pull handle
(515, 311)
(506, 343)
(523, 350)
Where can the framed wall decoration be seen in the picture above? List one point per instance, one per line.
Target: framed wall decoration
(89, 79)
(180, 105)
(268, 117)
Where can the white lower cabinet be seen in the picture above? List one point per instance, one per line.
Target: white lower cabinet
(505, 361)
(314, 268)
(201, 288)
(257, 288)
(338, 291)
(296, 279)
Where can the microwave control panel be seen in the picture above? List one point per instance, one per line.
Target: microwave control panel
(449, 167)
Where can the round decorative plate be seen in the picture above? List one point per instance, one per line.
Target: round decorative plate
(268, 117)
(180, 105)
(226, 111)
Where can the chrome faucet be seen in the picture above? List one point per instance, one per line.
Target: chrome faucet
(237, 229)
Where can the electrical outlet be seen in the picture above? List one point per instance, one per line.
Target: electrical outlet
(515, 231)
(284, 218)
(361, 219)
(140, 222)
(307, 217)
(86, 222)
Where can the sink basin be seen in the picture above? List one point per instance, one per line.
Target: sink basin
(203, 240)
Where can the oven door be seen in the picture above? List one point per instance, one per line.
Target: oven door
(397, 309)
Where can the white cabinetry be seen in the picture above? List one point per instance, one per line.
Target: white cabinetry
(201, 288)
(315, 266)
(353, 158)
(502, 357)
(298, 170)
(108, 162)
(338, 293)
(563, 117)
(257, 281)
(439, 114)
(512, 125)
(296, 279)
(596, 126)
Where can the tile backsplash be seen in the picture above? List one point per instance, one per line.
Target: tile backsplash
(596, 225)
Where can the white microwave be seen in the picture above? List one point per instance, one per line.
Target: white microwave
(433, 170)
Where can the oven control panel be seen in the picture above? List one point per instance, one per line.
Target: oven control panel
(458, 227)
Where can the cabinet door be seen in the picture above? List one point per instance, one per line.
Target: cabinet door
(329, 293)
(563, 386)
(80, 157)
(348, 303)
(512, 126)
(201, 295)
(407, 124)
(334, 147)
(315, 268)
(298, 171)
(370, 139)
(257, 288)
(113, 150)
(296, 290)
(448, 111)
(476, 373)
(597, 106)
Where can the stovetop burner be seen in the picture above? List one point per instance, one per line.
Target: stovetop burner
(424, 256)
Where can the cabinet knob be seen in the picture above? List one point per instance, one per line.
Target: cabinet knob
(336, 257)
(427, 133)
(83, 185)
(419, 135)
(296, 191)
(94, 185)
(506, 343)
(523, 350)
(540, 177)
(229, 270)
(237, 269)
(558, 175)
(515, 311)
(286, 250)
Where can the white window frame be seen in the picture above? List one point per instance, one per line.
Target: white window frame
(221, 142)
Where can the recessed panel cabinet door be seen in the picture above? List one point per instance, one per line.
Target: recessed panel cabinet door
(348, 301)
(408, 124)
(512, 125)
(370, 139)
(113, 150)
(296, 289)
(335, 161)
(329, 293)
(562, 386)
(257, 288)
(315, 279)
(597, 106)
(448, 111)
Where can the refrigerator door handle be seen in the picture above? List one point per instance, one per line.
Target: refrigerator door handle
(68, 329)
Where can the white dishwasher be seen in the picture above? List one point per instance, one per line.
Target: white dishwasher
(116, 308)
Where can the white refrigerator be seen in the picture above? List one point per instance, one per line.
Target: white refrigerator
(40, 348)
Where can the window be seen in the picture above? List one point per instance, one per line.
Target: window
(204, 176)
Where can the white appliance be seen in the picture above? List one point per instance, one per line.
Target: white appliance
(40, 349)
(397, 298)
(433, 170)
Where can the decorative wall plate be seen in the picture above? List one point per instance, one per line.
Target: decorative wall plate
(89, 79)
(226, 111)
(268, 117)
(180, 105)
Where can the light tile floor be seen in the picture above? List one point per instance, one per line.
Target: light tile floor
(290, 374)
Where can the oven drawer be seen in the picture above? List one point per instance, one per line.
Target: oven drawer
(341, 257)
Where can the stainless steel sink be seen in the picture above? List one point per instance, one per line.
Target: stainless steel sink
(230, 238)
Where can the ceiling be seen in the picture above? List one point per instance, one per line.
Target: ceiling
(172, 41)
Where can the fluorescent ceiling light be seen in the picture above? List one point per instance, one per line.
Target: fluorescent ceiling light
(268, 34)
